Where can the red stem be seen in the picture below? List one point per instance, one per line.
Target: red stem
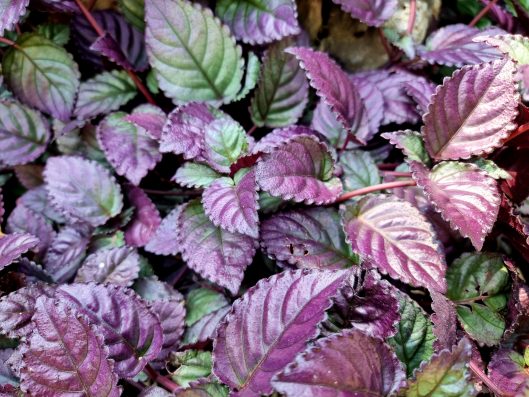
(160, 379)
(100, 32)
(413, 15)
(482, 13)
(374, 188)
(8, 42)
(385, 43)
(398, 174)
(191, 193)
(485, 379)
(387, 166)
(252, 130)
(521, 129)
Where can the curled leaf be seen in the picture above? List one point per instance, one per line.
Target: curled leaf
(12, 246)
(146, 219)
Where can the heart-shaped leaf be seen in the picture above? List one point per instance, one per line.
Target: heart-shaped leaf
(225, 142)
(396, 238)
(165, 238)
(261, 315)
(12, 11)
(347, 364)
(24, 134)
(203, 66)
(371, 12)
(146, 219)
(464, 195)
(132, 332)
(12, 246)
(472, 112)
(118, 266)
(301, 169)
(86, 192)
(216, 254)
(195, 175)
(282, 91)
(66, 355)
(359, 170)
(307, 238)
(259, 22)
(104, 93)
(42, 74)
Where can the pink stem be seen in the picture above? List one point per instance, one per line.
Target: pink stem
(482, 13)
(474, 367)
(413, 15)
(374, 188)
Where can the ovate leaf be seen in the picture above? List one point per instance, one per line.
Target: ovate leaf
(446, 374)
(282, 92)
(10, 13)
(146, 219)
(260, 336)
(66, 355)
(225, 142)
(371, 12)
(259, 22)
(301, 169)
(307, 238)
(131, 331)
(472, 112)
(12, 246)
(476, 283)
(195, 175)
(165, 238)
(358, 170)
(347, 364)
(24, 134)
(104, 93)
(464, 195)
(42, 75)
(86, 192)
(216, 254)
(130, 150)
(396, 238)
(194, 56)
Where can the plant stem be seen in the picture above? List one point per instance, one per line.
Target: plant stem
(474, 367)
(100, 32)
(8, 42)
(482, 13)
(162, 380)
(374, 188)
(173, 192)
(398, 174)
(387, 166)
(252, 130)
(413, 15)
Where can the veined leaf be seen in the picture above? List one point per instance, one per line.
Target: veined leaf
(279, 136)
(149, 117)
(260, 315)
(165, 238)
(190, 365)
(396, 238)
(134, 12)
(12, 246)
(42, 75)
(359, 170)
(104, 93)
(259, 21)
(225, 142)
(514, 45)
(24, 133)
(472, 112)
(145, 221)
(194, 56)
(10, 13)
(195, 175)
(282, 92)
(508, 370)
(56, 32)
(371, 12)
(24, 220)
(326, 123)
(411, 144)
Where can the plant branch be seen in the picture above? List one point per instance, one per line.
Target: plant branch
(252, 130)
(474, 367)
(100, 32)
(160, 379)
(482, 13)
(397, 174)
(374, 188)
(413, 15)
(8, 42)
(191, 193)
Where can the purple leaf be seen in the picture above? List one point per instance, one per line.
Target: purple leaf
(307, 238)
(335, 89)
(444, 319)
(269, 325)
(146, 219)
(421, 92)
(508, 371)
(183, 132)
(66, 356)
(130, 150)
(17, 308)
(66, 252)
(464, 195)
(195, 175)
(217, 255)
(165, 239)
(373, 107)
(87, 191)
(205, 328)
(279, 136)
(301, 169)
(348, 364)
(325, 122)
(12, 11)
(2, 210)
(395, 238)
(24, 134)
(150, 118)
(24, 220)
(119, 266)
(225, 142)
(108, 47)
(282, 92)
(370, 12)
(453, 45)
(12, 246)
(131, 330)
(232, 203)
(39, 202)
(259, 22)
(472, 112)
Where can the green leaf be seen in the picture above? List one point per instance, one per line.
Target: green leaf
(56, 32)
(134, 12)
(413, 342)
(195, 175)
(225, 142)
(282, 92)
(411, 144)
(253, 65)
(477, 284)
(205, 65)
(445, 375)
(152, 82)
(359, 170)
(515, 46)
(191, 365)
(491, 168)
(201, 302)
(42, 74)
(104, 93)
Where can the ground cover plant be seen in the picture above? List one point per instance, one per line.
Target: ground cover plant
(246, 198)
